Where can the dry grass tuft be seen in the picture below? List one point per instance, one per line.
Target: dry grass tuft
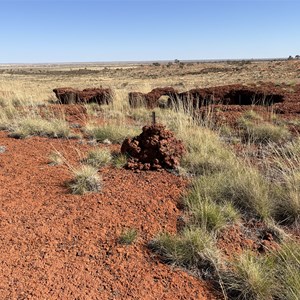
(86, 180)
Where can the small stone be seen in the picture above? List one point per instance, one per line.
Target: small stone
(107, 142)
(2, 149)
(92, 142)
(75, 125)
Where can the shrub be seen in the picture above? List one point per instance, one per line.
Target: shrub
(86, 179)
(98, 158)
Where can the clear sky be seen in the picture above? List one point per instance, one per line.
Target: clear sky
(82, 31)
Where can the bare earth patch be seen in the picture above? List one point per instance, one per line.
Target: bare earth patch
(55, 245)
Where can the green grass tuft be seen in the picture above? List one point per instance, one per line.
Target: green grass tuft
(113, 132)
(128, 236)
(98, 158)
(249, 277)
(194, 249)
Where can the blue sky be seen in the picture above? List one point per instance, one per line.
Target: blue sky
(79, 31)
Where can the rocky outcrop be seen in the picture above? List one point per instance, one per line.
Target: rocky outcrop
(155, 148)
(151, 99)
(227, 95)
(67, 95)
(91, 95)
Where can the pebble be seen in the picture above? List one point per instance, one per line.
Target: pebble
(2, 149)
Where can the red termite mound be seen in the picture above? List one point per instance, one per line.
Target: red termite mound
(155, 148)
(91, 95)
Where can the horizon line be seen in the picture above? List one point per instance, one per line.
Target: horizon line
(145, 61)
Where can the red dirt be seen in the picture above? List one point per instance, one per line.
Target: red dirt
(55, 245)
(252, 235)
(155, 148)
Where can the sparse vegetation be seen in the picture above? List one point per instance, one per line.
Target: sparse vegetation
(55, 158)
(212, 216)
(119, 160)
(128, 236)
(86, 179)
(287, 265)
(263, 132)
(249, 277)
(113, 132)
(98, 158)
(55, 128)
(194, 249)
(225, 188)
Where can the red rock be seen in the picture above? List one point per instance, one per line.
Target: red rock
(228, 95)
(92, 95)
(150, 100)
(67, 95)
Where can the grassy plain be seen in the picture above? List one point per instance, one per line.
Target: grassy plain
(237, 177)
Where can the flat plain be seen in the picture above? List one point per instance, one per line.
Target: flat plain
(208, 229)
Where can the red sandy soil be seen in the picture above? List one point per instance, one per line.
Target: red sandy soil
(55, 245)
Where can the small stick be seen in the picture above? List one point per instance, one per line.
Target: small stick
(153, 118)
